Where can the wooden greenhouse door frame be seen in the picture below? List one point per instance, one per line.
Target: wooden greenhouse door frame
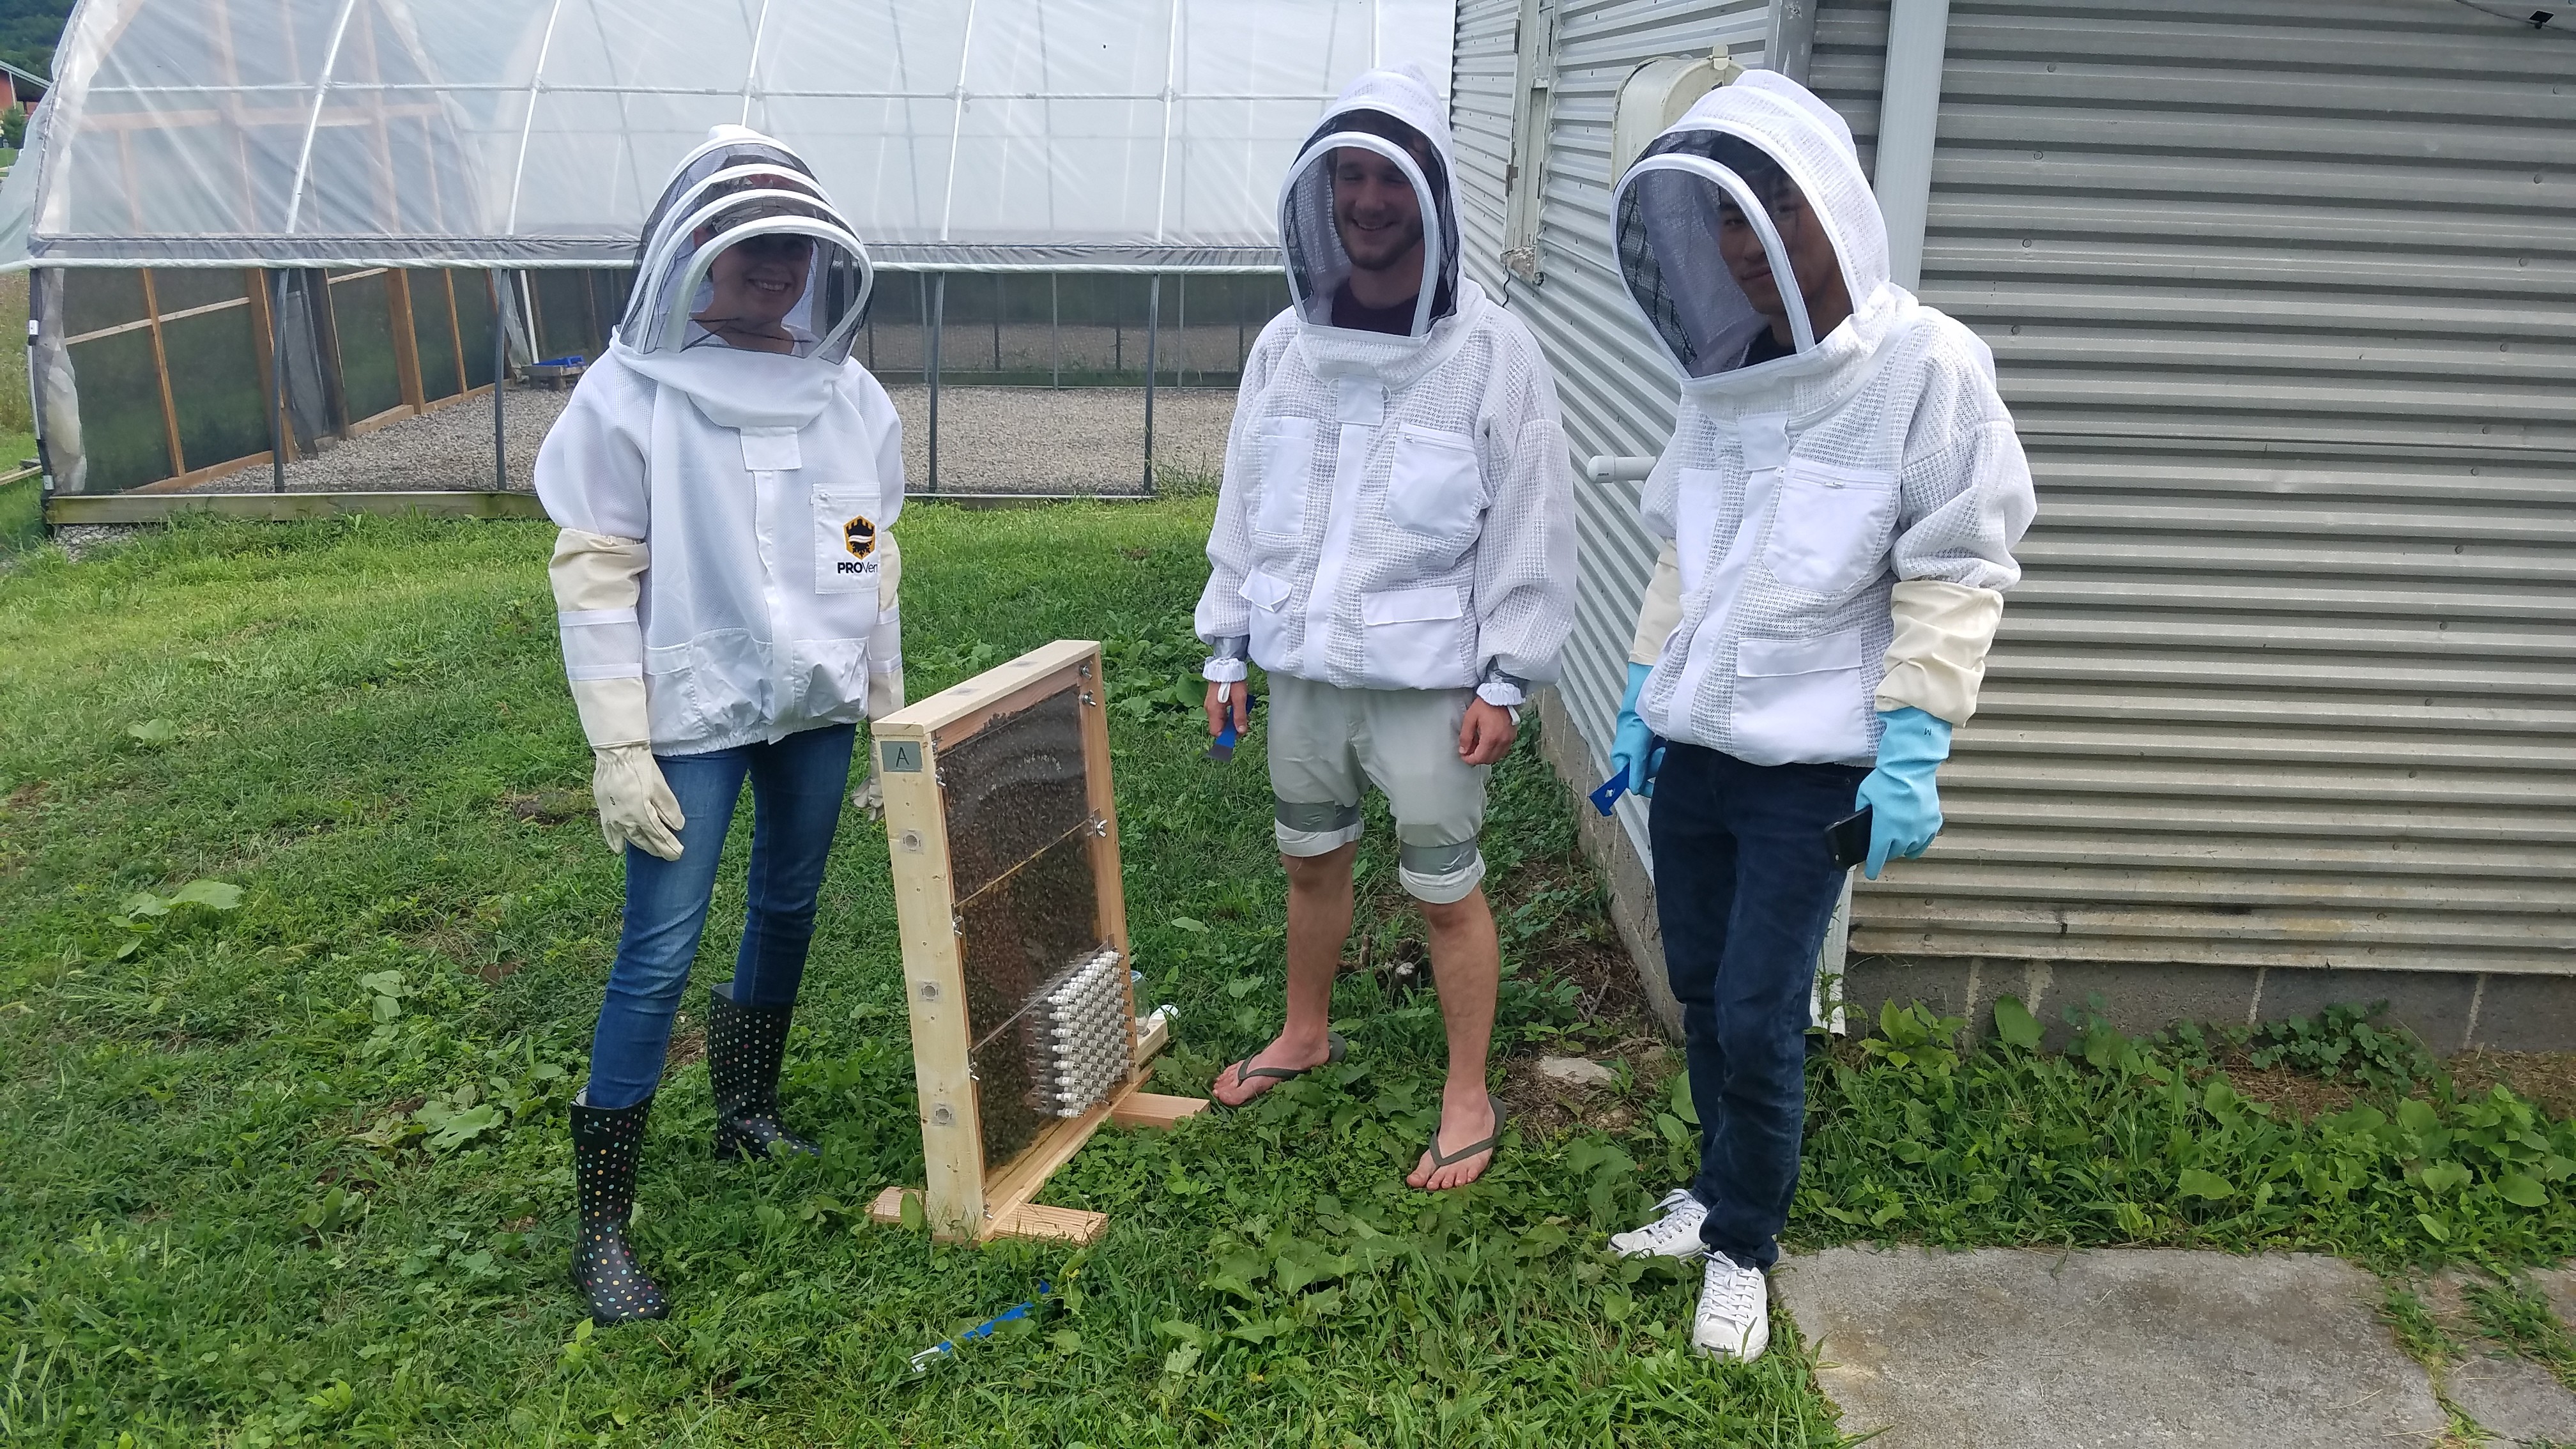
(161, 371)
(406, 341)
(456, 330)
(263, 342)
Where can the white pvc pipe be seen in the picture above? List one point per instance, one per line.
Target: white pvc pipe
(1605, 468)
(1918, 34)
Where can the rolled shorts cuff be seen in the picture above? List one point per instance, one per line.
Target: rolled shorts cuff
(1440, 874)
(1316, 829)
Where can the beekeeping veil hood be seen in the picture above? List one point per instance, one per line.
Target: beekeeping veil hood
(749, 285)
(1309, 235)
(1727, 165)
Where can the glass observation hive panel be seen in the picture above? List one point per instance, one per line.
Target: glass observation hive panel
(1012, 789)
(1044, 992)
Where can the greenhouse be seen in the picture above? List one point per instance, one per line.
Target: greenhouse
(261, 227)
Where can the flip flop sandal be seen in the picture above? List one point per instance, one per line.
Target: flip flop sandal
(1441, 1159)
(1334, 1050)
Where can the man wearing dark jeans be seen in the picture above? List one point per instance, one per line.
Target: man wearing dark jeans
(1743, 879)
(1841, 496)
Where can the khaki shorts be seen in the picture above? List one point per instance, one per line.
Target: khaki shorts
(1328, 744)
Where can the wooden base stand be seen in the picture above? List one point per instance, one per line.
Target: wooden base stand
(1008, 1213)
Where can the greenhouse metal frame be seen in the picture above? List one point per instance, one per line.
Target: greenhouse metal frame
(328, 142)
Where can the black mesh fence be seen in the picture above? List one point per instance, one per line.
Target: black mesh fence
(1068, 330)
(173, 372)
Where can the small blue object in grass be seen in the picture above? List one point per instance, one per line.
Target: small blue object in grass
(572, 360)
(932, 1354)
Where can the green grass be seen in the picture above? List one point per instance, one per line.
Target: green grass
(22, 516)
(290, 1168)
(295, 1170)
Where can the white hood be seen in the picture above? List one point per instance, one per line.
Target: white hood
(1666, 232)
(1311, 243)
(740, 188)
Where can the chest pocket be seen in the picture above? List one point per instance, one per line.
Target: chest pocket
(845, 540)
(1434, 487)
(1283, 463)
(1829, 534)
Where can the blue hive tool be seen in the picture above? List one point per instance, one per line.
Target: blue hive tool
(1608, 792)
(932, 1354)
(1223, 749)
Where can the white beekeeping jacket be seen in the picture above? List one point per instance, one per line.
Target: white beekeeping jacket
(1842, 517)
(758, 484)
(1396, 510)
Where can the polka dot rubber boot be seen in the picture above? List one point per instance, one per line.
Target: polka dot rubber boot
(607, 1146)
(745, 1045)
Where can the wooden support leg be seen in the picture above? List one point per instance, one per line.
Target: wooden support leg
(1154, 1109)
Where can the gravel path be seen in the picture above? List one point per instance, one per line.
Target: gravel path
(1079, 440)
(991, 440)
(447, 449)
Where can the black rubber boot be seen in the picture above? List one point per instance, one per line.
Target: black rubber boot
(745, 1045)
(606, 1148)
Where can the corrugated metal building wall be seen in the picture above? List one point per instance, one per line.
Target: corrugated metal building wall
(2284, 298)
(1617, 390)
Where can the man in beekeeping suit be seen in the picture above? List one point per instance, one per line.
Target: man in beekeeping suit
(1841, 496)
(725, 478)
(1394, 544)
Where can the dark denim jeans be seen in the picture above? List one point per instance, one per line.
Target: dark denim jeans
(1744, 889)
(797, 786)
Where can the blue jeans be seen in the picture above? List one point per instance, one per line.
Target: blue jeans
(797, 786)
(1744, 889)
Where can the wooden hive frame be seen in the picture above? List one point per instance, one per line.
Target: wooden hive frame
(965, 1197)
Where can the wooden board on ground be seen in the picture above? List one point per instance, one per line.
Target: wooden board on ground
(65, 508)
(983, 1170)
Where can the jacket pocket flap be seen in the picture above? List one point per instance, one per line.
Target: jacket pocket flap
(1263, 591)
(1838, 475)
(1438, 438)
(1410, 606)
(1758, 658)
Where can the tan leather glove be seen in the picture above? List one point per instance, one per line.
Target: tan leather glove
(1937, 660)
(636, 806)
(596, 582)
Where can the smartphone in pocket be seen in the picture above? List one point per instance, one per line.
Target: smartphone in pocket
(1848, 839)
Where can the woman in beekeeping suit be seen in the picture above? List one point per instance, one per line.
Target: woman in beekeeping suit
(1841, 497)
(725, 478)
(1394, 544)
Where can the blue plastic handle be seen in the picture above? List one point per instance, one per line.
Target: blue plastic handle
(1610, 790)
(984, 1329)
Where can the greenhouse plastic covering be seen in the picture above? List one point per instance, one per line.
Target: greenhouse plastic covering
(1052, 135)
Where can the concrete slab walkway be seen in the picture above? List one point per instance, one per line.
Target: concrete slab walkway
(2109, 1349)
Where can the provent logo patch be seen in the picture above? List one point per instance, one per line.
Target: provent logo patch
(859, 536)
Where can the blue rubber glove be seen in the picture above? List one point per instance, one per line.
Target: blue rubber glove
(1905, 807)
(1629, 747)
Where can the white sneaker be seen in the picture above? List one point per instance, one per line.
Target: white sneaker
(1734, 1318)
(1674, 1235)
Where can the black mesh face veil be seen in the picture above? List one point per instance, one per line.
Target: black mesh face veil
(775, 270)
(1675, 210)
(743, 154)
(1310, 234)
(746, 251)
